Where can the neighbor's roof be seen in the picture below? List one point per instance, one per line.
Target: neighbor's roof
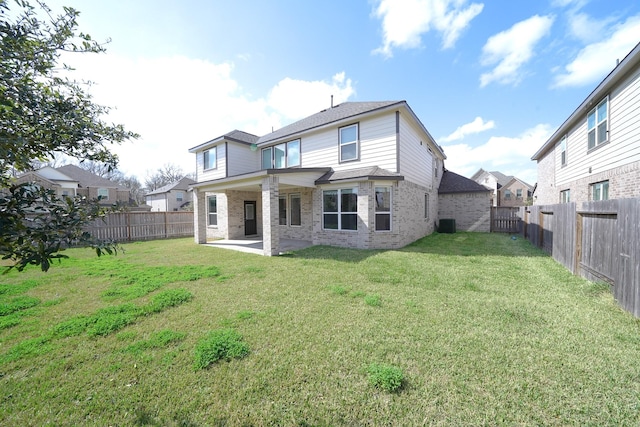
(371, 173)
(86, 178)
(180, 185)
(454, 183)
(502, 178)
(616, 75)
(235, 136)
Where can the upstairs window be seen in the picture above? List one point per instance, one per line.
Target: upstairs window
(209, 159)
(563, 151)
(281, 156)
(349, 143)
(600, 191)
(597, 130)
(519, 193)
(507, 194)
(179, 196)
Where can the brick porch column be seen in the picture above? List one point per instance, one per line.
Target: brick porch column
(270, 213)
(199, 216)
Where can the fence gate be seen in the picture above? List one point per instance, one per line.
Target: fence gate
(505, 220)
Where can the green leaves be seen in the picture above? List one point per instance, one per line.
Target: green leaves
(42, 114)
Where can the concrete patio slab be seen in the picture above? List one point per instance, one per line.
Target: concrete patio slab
(255, 245)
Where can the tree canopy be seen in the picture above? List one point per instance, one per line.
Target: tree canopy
(43, 112)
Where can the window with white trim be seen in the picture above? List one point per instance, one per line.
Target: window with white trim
(103, 193)
(295, 207)
(349, 143)
(212, 210)
(519, 193)
(340, 209)
(282, 209)
(281, 156)
(383, 208)
(565, 196)
(597, 130)
(209, 159)
(600, 191)
(563, 151)
(507, 194)
(179, 196)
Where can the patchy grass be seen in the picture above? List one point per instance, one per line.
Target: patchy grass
(485, 330)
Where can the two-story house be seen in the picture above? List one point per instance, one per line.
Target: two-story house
(506, 190)
(71, 180)
(358, 174)
(171, 197)
(595, 153)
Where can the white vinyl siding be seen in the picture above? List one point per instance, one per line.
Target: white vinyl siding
(623, 118)
(219, 171)
(377, 146)
(416, 162)
(241, 159)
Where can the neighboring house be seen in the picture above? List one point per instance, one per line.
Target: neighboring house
(466, 201)
(515, 193)
(171, 197)
(506, 190)
(595, 153)
(359, 174)
(70, 180)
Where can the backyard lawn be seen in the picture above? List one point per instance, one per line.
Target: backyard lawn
(469, 329)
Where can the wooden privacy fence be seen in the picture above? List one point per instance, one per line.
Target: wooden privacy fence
(505, 220)
(599, 241)
(131, 226)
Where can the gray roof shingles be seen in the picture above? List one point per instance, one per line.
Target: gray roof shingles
(86, 178)
(454, 183)
(182, 184)
(330, 115)
(373, 172)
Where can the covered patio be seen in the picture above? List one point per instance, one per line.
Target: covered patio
(246, 210)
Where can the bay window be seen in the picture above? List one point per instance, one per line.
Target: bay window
(340, 209)
(383, 208)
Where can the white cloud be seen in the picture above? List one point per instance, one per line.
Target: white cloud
(594, 61)
(177, 103)
(513, 48)
(476, 126)
(585, 28)
(296, 99)
(404, 21)
(509, 155)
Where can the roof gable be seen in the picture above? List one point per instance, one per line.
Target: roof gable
(235, 135)
(617, 75)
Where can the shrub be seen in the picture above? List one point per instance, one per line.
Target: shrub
(372, 300)
(168, 298)
(385, 377)
(224, 344)
(112, 319)
(339, 290)
(22, 302)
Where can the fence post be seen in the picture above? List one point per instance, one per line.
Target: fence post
(578, 251)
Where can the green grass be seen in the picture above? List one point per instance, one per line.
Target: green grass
(484, 330)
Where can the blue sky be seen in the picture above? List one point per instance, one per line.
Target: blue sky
(490, 80)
